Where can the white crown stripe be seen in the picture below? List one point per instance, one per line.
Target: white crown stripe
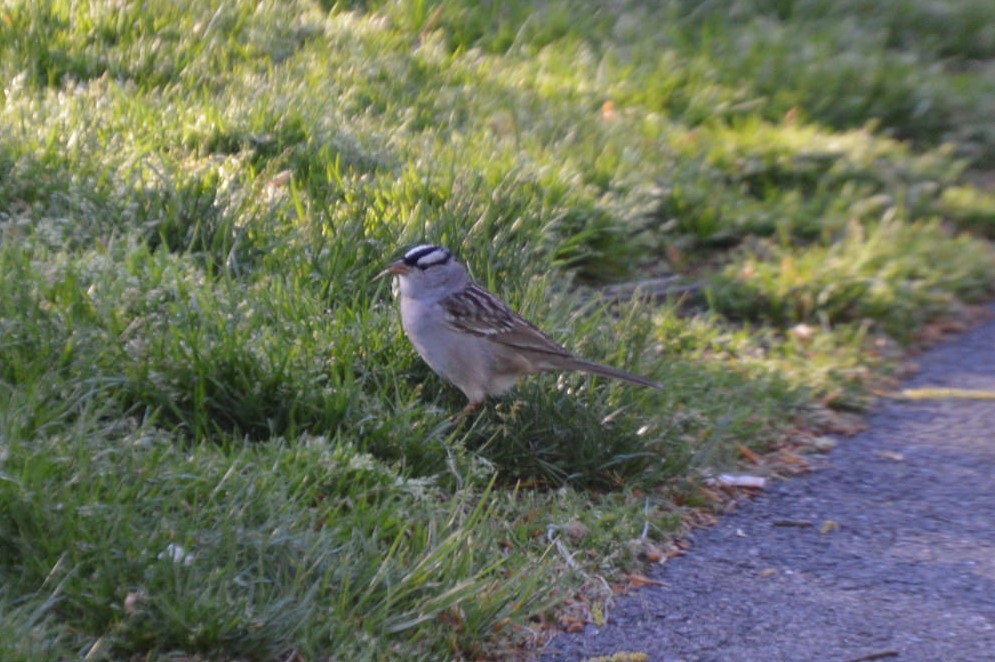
(426, 256)
(432, 259)
(419, 251)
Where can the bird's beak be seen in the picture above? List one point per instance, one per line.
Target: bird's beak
(395, 269)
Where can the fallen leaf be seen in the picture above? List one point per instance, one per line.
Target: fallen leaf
(653, 554)
(839, 422)
(574, 614)
(712, 496)
(639, 581)
(646, 550)
(573, 625)
(792, 458)
(829, 525)
(702, 519)
(749, 454)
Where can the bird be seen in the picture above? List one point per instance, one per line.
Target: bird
(469, 336)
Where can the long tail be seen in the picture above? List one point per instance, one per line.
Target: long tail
(609, 371)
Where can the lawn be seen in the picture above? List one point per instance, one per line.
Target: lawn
(215, 440)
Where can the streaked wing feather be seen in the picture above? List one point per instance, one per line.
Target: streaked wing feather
(474, 310)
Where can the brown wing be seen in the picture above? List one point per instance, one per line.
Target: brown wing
(474, 310)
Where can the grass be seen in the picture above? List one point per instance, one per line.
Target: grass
(217, 442)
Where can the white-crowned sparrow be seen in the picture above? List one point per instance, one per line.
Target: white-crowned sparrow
(469, 336)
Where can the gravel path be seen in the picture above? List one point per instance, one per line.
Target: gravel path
(909, 573)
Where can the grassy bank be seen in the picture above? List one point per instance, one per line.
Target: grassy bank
(215, 440)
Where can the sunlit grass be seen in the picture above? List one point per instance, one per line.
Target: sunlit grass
(216, 440)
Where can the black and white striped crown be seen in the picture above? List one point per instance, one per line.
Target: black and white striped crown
(426, 256)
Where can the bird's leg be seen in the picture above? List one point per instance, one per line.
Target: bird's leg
(470, 407)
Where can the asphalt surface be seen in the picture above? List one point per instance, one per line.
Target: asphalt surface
(888, 552)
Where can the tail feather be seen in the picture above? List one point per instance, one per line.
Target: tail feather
(608, 371)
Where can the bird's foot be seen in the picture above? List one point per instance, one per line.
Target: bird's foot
(467, 410)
